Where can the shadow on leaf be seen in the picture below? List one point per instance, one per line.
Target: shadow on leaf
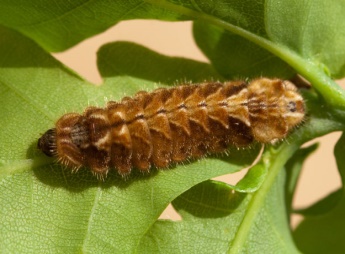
(209, 199)
(129, 59)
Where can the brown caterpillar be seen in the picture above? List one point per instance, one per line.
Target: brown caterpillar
(172, 125)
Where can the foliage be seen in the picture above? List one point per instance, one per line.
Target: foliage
(45, 209)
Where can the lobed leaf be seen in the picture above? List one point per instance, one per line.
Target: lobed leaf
(48, 208)
(322, 229)
(45, 208)
(293, 169)
(212, 219)
(313, 31)
(308, 36)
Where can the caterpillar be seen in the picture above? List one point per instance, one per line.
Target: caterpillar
(171, 125)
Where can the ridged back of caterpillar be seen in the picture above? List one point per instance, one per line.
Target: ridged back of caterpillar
(172, 125)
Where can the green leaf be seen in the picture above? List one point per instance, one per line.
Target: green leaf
(324, 205)
(212, 219)
(51, 210)
(57, 26)
(211, 213)
(47, 207)
(215, 219)
(308, 36)
(332, 200)
(244, 59)
(312, 29)
(43, 203)
(293, 168)
(114, 63)
(323, 232)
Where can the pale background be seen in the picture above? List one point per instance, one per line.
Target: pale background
(320, 175)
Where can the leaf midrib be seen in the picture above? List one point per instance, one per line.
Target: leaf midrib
(258, 198)
(88, 232)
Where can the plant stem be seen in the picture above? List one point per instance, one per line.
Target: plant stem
(334, 95)
(274, 161)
